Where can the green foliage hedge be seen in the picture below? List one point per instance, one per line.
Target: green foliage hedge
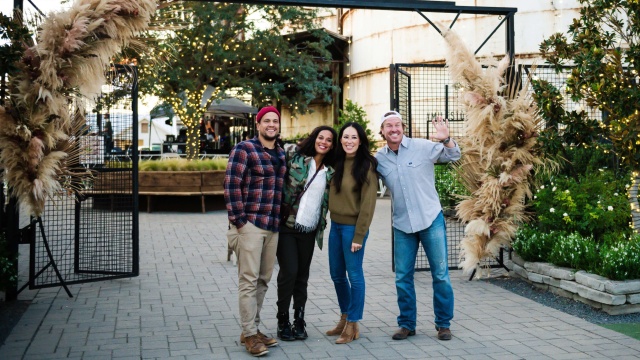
(8, 273)
(616, 259)
(448, 186)
(594, 205)
(182, 165)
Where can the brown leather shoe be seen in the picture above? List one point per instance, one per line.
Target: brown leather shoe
(351, 332)
(255, 346)
(339, 327)
(403, 333)
(268, 341)
(444, 334)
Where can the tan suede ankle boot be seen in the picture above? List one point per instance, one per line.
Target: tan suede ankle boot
(339, 327)
(350, 333)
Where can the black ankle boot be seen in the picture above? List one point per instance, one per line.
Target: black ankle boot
(284, 327)
(299, 331)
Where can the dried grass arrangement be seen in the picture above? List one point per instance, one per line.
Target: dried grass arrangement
(498, 153)
(38, 122)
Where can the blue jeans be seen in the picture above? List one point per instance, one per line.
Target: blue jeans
(434, 242)
(346, 270)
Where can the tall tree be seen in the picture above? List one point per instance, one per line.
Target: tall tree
(603, 44)
(242, 48)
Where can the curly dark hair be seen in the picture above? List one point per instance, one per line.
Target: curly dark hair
(307, 146)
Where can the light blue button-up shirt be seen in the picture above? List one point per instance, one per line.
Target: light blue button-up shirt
(410, 177)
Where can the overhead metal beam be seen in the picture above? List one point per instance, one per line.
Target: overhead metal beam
(402, 5)
(493, 32)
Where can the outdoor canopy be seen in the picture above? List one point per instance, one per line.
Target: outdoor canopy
(231, 107)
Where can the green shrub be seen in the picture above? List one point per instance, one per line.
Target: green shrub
(575, 251)
(581, 160)
(620, 260)
(353, 112)
(594, 205)
(182, 165)
(533, 245)
(8, 272)
(448, 186)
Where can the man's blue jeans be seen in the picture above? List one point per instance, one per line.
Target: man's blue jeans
(342, 264)
(434, 242)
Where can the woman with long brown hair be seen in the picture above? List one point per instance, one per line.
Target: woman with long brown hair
(352, 201)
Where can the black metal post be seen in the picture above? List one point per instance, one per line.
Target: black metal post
(135, 246)
(446, 101)
(392, 86)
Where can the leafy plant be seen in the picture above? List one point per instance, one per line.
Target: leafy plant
(575, 251)
(353, 112)
(619, 261)
(8, 266)
(448, 186)
(616, 259)
(594, 205)
(605, 73)
(14, 38)
(566, 133)
(533, 245)
(182, 165)
(273, 53)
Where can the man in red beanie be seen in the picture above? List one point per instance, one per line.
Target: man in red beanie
(253, 192)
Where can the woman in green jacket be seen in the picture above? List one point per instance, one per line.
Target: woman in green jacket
(304, 211)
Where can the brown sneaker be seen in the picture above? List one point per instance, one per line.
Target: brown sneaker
(255, 346)
(444, 334)
(269, 342)
(403, 333)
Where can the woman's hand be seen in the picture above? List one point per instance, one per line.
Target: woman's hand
(355, 247)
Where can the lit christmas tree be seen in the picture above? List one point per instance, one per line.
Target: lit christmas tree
(234, 48)
(603, 47)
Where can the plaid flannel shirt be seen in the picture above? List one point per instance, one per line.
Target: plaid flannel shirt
(252, 188)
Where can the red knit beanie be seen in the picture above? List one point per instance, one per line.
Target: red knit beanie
(264, 110)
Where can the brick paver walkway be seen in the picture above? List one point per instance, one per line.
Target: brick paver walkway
(184, 306)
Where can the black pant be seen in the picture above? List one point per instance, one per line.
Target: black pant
(295, 251)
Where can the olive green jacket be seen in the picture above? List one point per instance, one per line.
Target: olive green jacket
(295, 181)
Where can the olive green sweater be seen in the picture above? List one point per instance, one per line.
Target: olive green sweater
(354, 207)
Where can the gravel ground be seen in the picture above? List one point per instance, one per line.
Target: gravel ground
(563, 304)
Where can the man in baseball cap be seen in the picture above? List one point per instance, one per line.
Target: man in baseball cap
(407, 169)
(253, 188)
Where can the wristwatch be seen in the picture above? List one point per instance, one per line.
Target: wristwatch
(446, 141)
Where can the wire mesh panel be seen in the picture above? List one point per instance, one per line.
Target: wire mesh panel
(431, 93)
(92, 234)
(558, 80)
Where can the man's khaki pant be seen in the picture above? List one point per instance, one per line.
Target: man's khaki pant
(256, 250)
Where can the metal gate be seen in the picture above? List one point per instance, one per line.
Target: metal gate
(92, 234)
(419, 93)
(422, 91)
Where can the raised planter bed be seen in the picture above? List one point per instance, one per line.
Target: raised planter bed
(613, 297)
(162, 183)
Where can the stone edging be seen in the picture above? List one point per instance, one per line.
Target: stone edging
(613, 297)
